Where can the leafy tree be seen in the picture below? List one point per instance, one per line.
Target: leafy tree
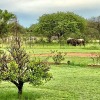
(94, 23)
(5, 17)
(59, 23)
(20, 29)
(19, 69)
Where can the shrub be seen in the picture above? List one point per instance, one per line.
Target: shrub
(96, 60)
(58, 57)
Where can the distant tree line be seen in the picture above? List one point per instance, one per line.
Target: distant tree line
(60, 24)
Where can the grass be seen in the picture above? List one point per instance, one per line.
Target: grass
(46, 48)
(89, 48)
(68, 83)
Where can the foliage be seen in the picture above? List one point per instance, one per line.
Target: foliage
(5, 17)
(59, 23)
(94, 27)
(96, 60)
(20, 29)
(58, 56)
(19, 69)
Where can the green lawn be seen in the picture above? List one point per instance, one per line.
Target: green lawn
(68, 83)
(64, 48)
(46, 48)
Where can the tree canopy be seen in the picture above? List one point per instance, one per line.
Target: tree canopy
(93, 28)
(18, 68)
(60, 23)
(5, 17)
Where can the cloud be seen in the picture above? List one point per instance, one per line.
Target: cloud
(28, 9)
(39, 6)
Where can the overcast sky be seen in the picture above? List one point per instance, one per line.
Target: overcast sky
(28, 11)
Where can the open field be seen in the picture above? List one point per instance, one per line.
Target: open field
(68, 83)
(46, 48)
(76, 81)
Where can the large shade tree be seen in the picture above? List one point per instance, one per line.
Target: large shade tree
(59, 23)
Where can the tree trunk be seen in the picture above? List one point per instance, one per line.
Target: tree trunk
(20, 88)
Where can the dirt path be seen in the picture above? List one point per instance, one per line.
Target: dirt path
(71, 54)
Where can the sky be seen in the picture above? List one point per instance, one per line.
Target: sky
(29, 11)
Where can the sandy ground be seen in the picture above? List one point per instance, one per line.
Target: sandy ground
(71, 54)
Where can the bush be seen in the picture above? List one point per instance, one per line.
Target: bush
(58, 57)
(96, 60)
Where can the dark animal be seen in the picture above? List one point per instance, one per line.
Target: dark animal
(72, 41)
(75, 42)
(80, 42)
